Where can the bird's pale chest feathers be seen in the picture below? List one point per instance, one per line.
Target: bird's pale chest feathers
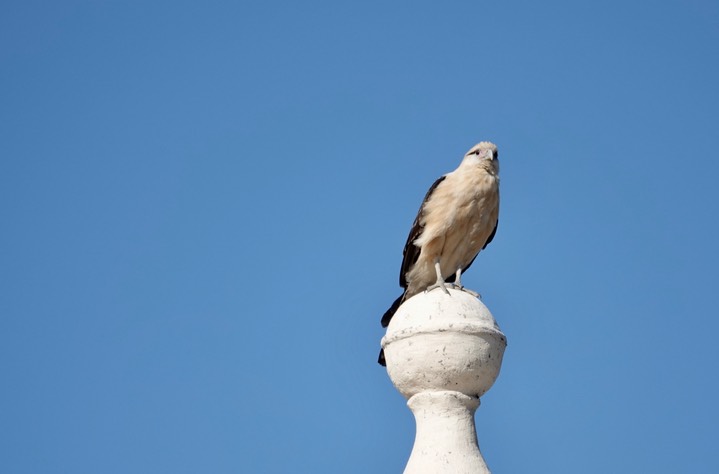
(467, 202)
(457, 220)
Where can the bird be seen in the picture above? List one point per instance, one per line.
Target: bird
(457, 219)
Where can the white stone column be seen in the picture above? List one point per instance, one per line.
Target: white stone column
(443, 352)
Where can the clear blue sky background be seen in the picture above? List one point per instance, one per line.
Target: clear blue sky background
(204, 206)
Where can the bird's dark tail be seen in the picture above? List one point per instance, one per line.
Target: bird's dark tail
(380, 359)
(387, 316)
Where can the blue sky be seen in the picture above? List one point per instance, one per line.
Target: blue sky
(204, 206)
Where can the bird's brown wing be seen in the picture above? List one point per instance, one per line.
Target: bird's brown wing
(491, 236)
(411, 252)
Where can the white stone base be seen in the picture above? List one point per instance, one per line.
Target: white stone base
(443, 352)
(446, 440)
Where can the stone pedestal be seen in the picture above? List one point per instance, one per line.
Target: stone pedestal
(443, 352)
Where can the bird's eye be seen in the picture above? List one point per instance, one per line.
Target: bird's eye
(476, 152)
(495, 154)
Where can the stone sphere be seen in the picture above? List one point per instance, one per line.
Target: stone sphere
(437, 341)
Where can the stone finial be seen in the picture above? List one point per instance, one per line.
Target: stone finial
(443, 352)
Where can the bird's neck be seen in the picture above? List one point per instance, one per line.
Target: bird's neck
(472, 164)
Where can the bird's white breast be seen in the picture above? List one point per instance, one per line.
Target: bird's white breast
(462, 213)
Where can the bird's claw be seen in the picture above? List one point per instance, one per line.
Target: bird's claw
(455, 286)
(437, 285)
(467, 290)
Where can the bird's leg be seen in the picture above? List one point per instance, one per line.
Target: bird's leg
(458, 285)
(458, 280)
(440, 281)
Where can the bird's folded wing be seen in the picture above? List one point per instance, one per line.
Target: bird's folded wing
(411, 252)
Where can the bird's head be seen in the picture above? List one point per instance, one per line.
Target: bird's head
(484, 154)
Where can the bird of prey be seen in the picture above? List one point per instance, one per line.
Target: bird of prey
(456, 220)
